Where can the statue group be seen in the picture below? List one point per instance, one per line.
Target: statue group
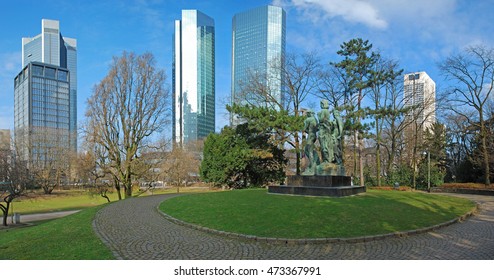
(329, 133)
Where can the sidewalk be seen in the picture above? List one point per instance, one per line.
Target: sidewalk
(27, 218)
(145, 234)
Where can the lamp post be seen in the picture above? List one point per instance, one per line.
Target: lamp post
(428, 170)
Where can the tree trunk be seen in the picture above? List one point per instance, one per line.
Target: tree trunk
(128, 182)
(128, 189)
(485, 152)
(378, 153)
(5, 209)
(361, 162)
(391, 156)
(360, 142)
(414, 157)
(5, 214)
(117, 187)
(297, 152)
(355, 148)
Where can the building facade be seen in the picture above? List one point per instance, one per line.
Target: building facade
(419, 94)
(42, 111)
(45, 94)
(193, 77)
(258, 48)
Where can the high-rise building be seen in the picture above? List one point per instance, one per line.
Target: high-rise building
(419, 94)
(193, 77)
(45, 93)
(258, 44)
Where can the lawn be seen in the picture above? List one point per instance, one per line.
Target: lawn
(74, 199)
(68, 238)
(254, 212)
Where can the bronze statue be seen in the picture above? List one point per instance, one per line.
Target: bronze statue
(310, 127)
(329, 133)
(325, 133)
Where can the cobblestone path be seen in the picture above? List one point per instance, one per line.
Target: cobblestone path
(134, 229)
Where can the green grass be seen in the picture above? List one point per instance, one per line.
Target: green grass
(72, 200)
(68, 238)
(254, 212)
(58, 201)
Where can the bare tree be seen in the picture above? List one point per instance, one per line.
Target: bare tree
(333, 86)
(50, 155)
(181, 166)
(394, 123)
(126, 107)
(472, 75)
(416, 122)
(386, 72)
(15, 179)
(299, 75)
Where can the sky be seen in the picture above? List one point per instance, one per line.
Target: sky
(418, 34)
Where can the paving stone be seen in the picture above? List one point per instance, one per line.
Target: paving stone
(134, 229)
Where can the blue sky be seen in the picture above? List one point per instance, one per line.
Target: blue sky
(417, 33)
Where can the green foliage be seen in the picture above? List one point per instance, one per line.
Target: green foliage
(468, 171)
(435, 144)
(255, 212)
(402, 175)
(357, 64)
(266, 119)
(68, 238)
(437, 174)
(241, 157)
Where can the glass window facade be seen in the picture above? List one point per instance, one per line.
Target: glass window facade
(193, 71)
(41, 104)
(258, 39)
(46, 90)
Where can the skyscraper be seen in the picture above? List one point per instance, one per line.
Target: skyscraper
(419, 94)
(45, 92)
(258, 41)
(193, 71)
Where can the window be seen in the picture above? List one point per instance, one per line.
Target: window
(37, 70)
(62, 75)
(50, 72)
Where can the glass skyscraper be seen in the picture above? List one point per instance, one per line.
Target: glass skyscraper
(193, 77)
(258, 41)
(45, 91)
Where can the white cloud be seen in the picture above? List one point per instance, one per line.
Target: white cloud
(354, 11)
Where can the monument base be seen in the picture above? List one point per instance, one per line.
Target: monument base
(326, 185)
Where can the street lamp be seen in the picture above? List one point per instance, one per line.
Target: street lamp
(428, 170)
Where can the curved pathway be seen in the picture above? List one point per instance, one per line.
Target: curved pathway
(134, 229)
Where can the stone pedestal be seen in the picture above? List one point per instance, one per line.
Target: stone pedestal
(323, 185)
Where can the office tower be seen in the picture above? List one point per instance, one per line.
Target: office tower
(193, 77)
(45, 93)
(258, 46)
(419, 94)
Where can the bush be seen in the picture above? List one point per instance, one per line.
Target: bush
(241, 157)
(437, 175)
(464, 186)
